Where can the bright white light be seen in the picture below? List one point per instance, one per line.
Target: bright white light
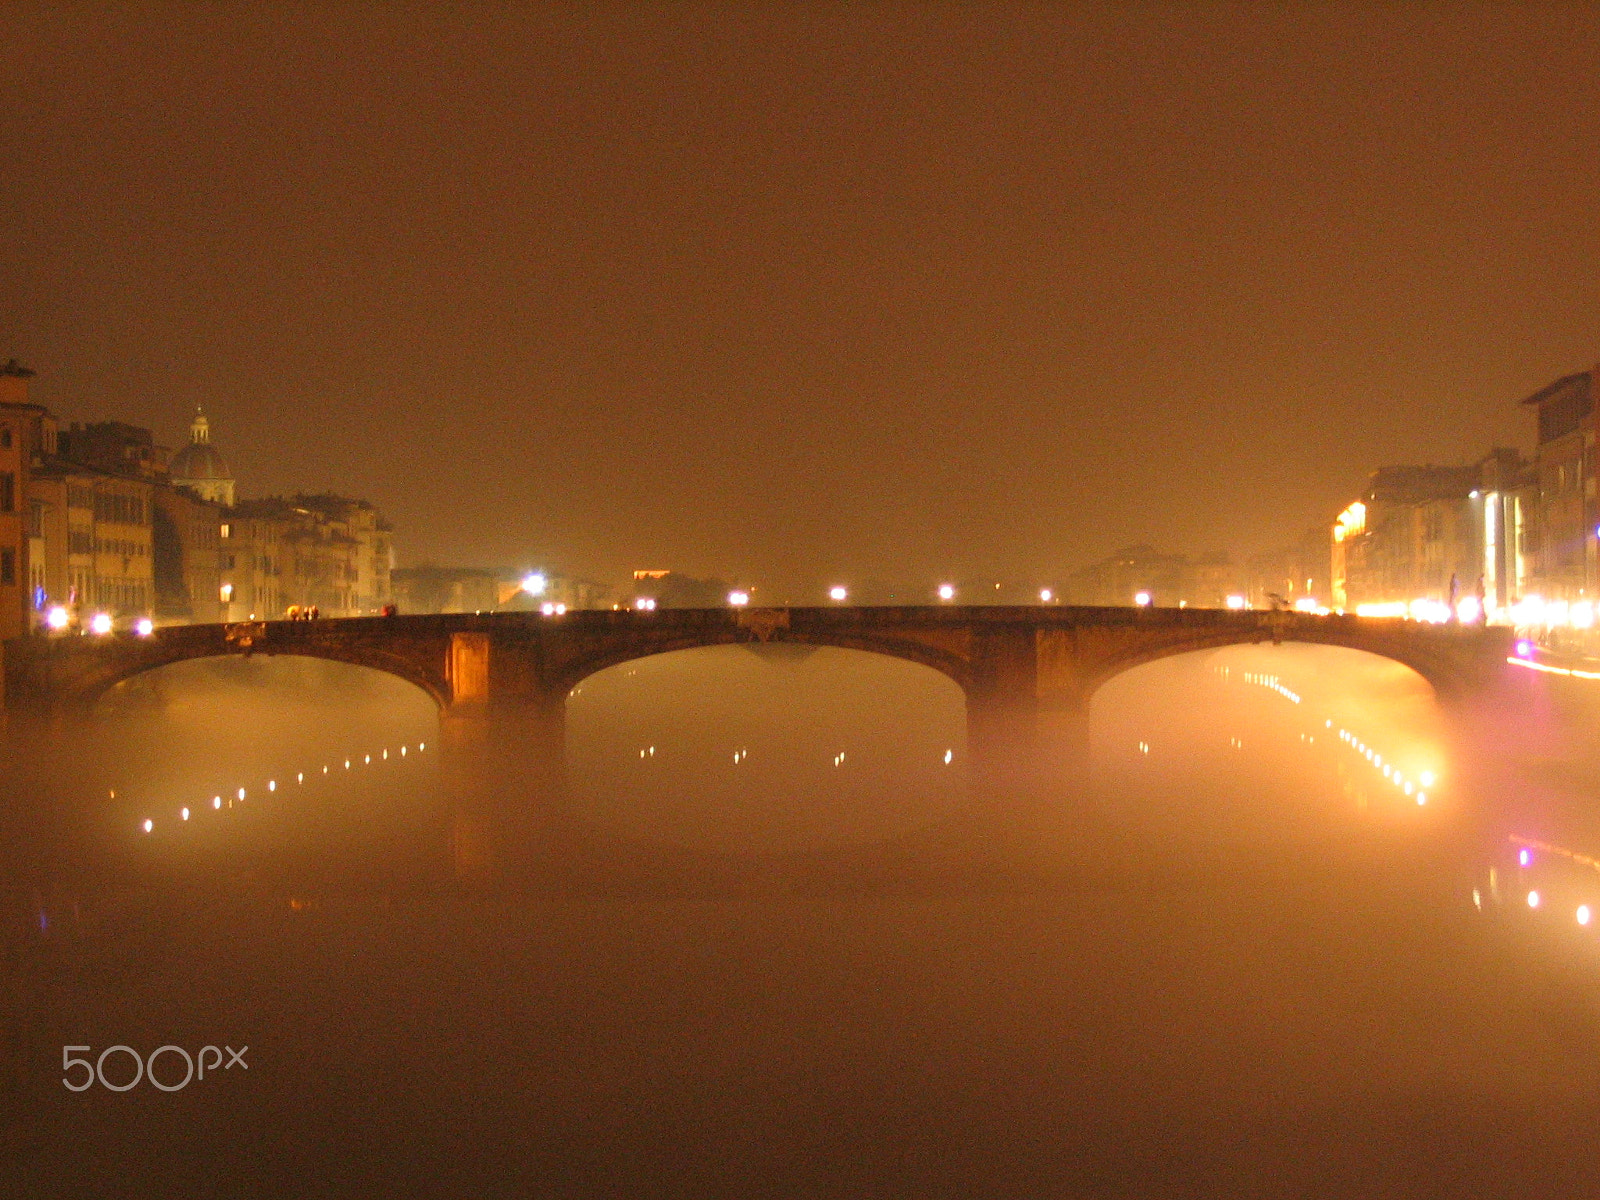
(838, 593)
(1234, 602)
(948, 755)
(1045, 596)
(300, 777)
(368, 759)
(1468, 610)
(422, 745)
(738, 599)
(386, 754)
(947, 591)
(347, 764)
(534, 583)
(1533, 899)
(186, 814)
(1582, 615)
(548, 609)
(1583, 914)
(1307, 604)
(58, 618)
(216, 802)
(1142, 599)
(402, 751)
(149, 825)
(1395, 608)
(100, 623)
(1427, 778)
(1433, 611)
(1422, 797)
(144, 627)
(241, 793)
(645, 604)
(272, 785)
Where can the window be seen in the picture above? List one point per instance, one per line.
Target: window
(227, 592)
(8, 492)
(5, 437)
(8, 566)
(227, 529)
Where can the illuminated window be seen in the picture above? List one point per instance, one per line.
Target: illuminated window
(227, 592)
(227, 529)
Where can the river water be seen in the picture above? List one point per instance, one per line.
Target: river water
(1253, 964)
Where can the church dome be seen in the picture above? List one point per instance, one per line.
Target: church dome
(199, 467)
(198, 461)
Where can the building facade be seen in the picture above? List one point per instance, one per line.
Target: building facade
(27, 441)
(305, 551)
(187, 557)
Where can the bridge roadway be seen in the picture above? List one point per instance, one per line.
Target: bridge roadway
(501, 680)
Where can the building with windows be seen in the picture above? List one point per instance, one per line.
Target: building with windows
(1567, 510)
(1433, 536)
(304, 551)
(27, 440)
(186, 537)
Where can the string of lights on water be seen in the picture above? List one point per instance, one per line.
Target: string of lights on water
(223, 802)
(1542, 880)
(1411, 785)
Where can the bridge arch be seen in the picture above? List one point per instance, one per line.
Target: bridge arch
(1441, 674)
(944, 661)
(96, 688)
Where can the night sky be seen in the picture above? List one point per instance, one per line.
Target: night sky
(800, 294)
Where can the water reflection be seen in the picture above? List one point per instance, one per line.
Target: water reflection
(763, 748)
(1262, 742)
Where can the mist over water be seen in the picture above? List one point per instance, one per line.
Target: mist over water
(1342, 1021)
(740, 749)
(1243, 746)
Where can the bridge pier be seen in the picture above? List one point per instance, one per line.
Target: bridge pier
(1027, 735)
(503, 771)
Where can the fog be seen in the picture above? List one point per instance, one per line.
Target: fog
(1253, 965)
(767, 748)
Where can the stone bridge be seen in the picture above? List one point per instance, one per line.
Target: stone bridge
(501, 680)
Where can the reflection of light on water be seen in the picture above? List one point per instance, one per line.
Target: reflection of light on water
(148, 824)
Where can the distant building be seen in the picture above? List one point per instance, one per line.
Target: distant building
(445, 589)
(200, 468)
(1167, 580)
(1298, 573)
(27, 440)
(304, 551)
(1434, 535)
(567, 591)
(186, 538)
(114, 448)
(1564, 531)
